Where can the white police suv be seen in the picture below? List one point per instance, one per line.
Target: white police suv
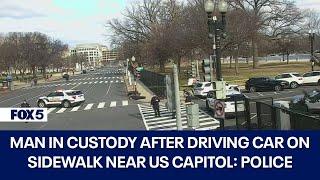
(66, 98)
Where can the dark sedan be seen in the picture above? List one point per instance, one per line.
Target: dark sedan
(265, 84)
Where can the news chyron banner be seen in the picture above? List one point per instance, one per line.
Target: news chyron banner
(159, 155)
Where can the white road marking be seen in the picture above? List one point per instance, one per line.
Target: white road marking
(113, 104)
(101, 105)
(111, 81)
(101, 82)
(50, 110)
(106, 82)
(75, 108)
(125, 103)
(61, 110)
(88, 107)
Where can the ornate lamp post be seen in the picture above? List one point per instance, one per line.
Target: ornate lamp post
(311, 37)
(216, 30)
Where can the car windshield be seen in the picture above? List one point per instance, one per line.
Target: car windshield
(297, 75)
(198, 85)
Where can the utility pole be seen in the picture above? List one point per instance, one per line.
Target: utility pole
(311, 35)
(177, 98)
(198, 73)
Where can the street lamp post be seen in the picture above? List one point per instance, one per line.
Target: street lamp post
(311, 37)
(216, 29)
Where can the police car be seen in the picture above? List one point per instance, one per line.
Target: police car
(233, 96)
(66, 98)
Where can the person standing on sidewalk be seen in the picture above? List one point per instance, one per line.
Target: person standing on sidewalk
(155, 100)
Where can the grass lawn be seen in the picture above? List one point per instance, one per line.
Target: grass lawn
(246, 71)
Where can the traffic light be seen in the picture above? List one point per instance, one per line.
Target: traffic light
(220, 89)
(193, 69)
(206, 68)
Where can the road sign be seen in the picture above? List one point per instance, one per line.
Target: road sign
(219, 109)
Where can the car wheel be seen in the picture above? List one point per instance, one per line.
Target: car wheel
(294, 85)
(277, 88)
(41, 104)
(252, 89)
(66, 104)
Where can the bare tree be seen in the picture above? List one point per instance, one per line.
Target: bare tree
(273, 17)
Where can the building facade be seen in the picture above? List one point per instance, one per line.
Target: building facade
(95, 54)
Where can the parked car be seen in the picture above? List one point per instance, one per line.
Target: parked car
(265, 84)
(201, 89)
(308, 103)
(92, 69)
(294, 79)
(66, 76)
(232, 97)
(66, 98)
(311, 78)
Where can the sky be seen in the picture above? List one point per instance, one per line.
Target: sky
(72, 21)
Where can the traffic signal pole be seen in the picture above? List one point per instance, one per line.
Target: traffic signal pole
(177, 98)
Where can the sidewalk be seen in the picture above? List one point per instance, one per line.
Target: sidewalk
(19, 85)
(141, 88)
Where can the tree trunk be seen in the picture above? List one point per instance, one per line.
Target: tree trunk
(255, 54)
(44, 71)
(230, 63)
(179, 63)
(162, 66)
(236, 67)
(33, 69)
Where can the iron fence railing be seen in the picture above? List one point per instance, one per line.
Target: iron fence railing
(154, 81)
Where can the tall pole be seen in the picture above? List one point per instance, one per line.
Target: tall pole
(218, 55)
(177, 97)
(312, 49)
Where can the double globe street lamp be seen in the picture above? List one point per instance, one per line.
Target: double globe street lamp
(312, 59)
(216, 30)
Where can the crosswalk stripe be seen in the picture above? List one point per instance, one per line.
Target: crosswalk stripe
(61, 110)
(89, 106)
(101, 82)
(106, 82)
(101, 105)
(85, 82)
(165, 122)
(50, 110)
(96, 82)
(125, 103)
(75, 108)
(117, 81)
(90, 82)
(113, 104)
(111, 81)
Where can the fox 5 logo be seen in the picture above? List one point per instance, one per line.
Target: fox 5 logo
(24, 114)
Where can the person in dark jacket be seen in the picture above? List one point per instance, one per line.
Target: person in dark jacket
(155, 100)
(24, 104)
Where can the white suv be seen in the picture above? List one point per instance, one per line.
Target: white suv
(294, 79)
(202, 88)
(66, 98)
(312, 78)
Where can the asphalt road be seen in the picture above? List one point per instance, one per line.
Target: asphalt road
(107, 106)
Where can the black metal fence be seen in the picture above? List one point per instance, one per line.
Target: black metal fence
(264, 114)
(154, 81)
